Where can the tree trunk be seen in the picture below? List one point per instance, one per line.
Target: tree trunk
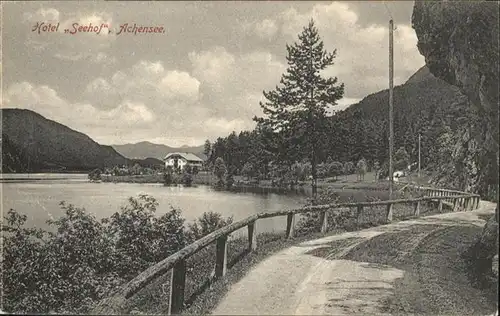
(314, 175)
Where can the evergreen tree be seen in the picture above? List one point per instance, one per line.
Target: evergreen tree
(297, 110)
(207, 149)
(220, 170)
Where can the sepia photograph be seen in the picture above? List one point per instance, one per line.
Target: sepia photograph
(249, 157)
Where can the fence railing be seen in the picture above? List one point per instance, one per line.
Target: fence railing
(439, 192)
(176, 263)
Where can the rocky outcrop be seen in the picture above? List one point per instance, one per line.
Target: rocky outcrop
(459, 41)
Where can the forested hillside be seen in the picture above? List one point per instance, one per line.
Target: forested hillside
(424, 105)
(30, 142)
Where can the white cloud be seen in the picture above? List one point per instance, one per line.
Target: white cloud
(180, 83)
(88, 46)
(147, 82)
(266, 29)
(362, 52)
(225, 126)
(37, 98)
(132, 112)
(103, 58)
(213, 66)
(230, 83)
(49, 15)
(344, 103)
(47, 102)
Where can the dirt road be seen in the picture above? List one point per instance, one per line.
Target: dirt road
(336, 275)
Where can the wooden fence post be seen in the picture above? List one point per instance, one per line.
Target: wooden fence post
(440, 206)
(324, 221)
(359, 211)
(221, 257)
(290, 223)
(389, 212)
(177, 286)
(417, 209)
(252, 236)
(455, 205)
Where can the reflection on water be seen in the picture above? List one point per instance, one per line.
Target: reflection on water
(38, 196)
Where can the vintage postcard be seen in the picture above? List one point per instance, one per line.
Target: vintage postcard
(249, 157)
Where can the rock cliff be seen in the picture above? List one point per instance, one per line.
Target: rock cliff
(459, 41)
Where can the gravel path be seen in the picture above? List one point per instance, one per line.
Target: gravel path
(312, 277)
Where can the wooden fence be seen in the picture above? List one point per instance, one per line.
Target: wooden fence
(176, 263)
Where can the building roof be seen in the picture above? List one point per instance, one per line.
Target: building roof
(187, 156)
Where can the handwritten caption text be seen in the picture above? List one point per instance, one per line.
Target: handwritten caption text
(126, 28)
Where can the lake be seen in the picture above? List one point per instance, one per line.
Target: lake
(38, 196)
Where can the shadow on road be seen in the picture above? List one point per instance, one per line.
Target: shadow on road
(437, 279)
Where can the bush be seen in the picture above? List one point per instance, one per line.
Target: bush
(95, 175)
(65, 271)
(344, 219)
(219, 170)
(205, 224)
(141, 239)
(168, 175)
(195, 170)
(335, 169)
(80, 260)
(323, 170)
(187, 179)
(348, 168)
(229, 180)
(248, 170)
(310, 222)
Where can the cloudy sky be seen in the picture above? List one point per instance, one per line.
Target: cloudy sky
(200, 79)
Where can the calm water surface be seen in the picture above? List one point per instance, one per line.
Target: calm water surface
(38, 196)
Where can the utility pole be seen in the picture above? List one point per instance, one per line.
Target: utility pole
(419, 155)
(391, 83)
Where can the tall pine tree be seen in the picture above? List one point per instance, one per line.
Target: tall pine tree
(297, 111)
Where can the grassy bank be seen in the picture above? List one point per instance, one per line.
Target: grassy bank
(346, 182)
(200, 178)
(437, 279)
(202, 296)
